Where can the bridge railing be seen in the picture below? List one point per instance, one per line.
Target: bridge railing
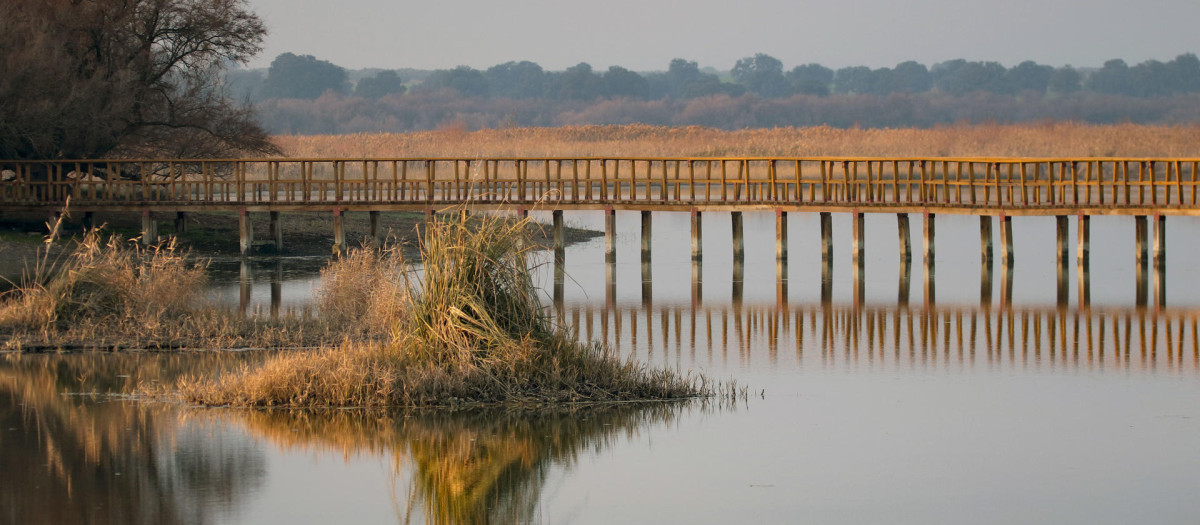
(933, 182)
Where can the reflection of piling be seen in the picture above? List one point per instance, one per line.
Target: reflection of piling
(245, 285)
(276, 289)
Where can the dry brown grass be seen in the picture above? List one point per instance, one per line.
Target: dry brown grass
(1054, 139)
(471, 330)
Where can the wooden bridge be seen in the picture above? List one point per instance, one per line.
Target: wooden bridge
(987, 187)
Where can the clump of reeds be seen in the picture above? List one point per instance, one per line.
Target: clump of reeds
(105, 282)
(364, 289)
(473, 332)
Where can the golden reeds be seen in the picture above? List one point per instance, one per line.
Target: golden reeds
(1050, 139)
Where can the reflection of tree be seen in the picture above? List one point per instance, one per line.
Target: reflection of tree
(70, 453)
(478, 466)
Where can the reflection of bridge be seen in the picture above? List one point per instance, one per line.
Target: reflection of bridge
(899, 336)
(986, 187)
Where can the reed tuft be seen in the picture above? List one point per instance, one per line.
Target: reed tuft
(473, 332)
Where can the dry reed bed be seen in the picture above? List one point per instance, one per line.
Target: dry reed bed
(1055, 139)
(469, 330)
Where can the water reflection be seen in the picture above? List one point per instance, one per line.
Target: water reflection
(76, 451)
(899, 337)
(467, 467)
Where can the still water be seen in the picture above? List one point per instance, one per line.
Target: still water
(937, 400)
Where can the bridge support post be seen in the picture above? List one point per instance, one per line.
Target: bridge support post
(1160, 242)
(1140, 234)
(610, 235)
(781, 241)
(339, 232)
(149, 229)
(697, 282)
(697, 244)
(826, 236)
(905, 238)
(560, 252)
(373, 235)
(276, 288)
(1061, 229)
(985, 239)
(1006, 240)
(985, 281)
(927, 228)
(739, 241)
(276, 231)
(180, 222)
(1160, 287)
(857, 230)
(902, 295)
(1083, 248)
(646, 237)
(245, 232)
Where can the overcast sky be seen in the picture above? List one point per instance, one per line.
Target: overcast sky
(645, 35)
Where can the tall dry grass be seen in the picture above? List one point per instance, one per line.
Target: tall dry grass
(472, 331)
(1051, 139)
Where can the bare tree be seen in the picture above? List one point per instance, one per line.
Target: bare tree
(90, 79)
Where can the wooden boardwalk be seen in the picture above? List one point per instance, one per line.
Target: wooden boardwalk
(977, 186)
(987, 187)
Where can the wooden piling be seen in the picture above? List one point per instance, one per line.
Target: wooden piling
(1006, 240)
(374, 236)
(927, 228)
(1083, 247)
(826, 236)
(1160, 242)
(985, 239)
(339, 233)
(1140, 233)
(245, 232)
(610, 235)
(276, 230)
(739, 241)
(697, 244)
(149, 229)
(180, 221)
(559, 244)
(646, 236)
(858, 243)
(1060, 229)
(781, 248)
(905, 238)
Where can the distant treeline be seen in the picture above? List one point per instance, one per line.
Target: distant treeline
(301, 94)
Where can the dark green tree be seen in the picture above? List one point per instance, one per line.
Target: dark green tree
(467, 81)
(1064, 80)
(811, 79)
(621, 82)
(385, 82)
(1029, 76)
(911, 77)
(762, 75)
(858, 80)
(578, 82)
(520, 80)
(1115, 78)
(304, 76)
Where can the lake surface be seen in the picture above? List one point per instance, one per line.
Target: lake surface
(955, 402)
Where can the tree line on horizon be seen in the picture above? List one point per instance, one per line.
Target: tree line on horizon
(301, 94)
(306, 77)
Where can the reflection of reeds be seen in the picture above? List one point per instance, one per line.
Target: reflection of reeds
(1051, 139)
(81, 459)
(474, 466)
(471, 330)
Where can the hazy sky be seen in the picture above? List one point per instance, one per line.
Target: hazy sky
(646, 34)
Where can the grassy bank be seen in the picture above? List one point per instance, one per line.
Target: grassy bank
(468, 330)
